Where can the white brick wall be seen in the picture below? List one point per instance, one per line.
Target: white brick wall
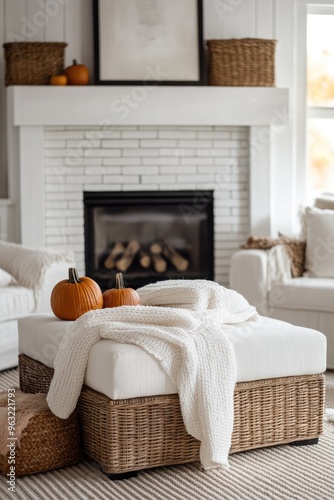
(143, 159)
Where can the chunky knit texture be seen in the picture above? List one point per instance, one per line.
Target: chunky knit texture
(198, 295)
(189, 342)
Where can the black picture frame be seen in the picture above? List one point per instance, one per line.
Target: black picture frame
(193, 67)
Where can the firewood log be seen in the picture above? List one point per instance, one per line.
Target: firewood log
(156, 248)
(144, 259)
(159, 263)
(126, 260)
(115, 252)
(180, 263)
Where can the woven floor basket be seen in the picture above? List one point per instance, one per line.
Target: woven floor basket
(140, 433)
(245, 62)
(47, 443)
(33, 63)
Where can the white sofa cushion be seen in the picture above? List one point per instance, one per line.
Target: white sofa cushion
(264, 349)
(16, 301)
(8, 344)
(6, 278)
(319, 225)
(316, 294)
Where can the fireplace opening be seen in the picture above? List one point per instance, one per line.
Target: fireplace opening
(148, 236)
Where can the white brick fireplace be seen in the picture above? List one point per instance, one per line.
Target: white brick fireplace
(64, 141)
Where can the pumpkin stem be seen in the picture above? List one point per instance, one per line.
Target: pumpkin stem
(73, 275)
(74, 62)
(119, 281)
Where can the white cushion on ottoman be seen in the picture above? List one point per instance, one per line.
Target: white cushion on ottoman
(265, 349)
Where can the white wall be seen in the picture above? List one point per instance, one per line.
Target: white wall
(72, 20)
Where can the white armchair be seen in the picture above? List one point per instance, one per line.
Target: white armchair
(263, 277)
(34, 272)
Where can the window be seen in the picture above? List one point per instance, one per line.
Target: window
(320, 100)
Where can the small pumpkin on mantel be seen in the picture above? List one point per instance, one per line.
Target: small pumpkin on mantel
(77, 74)
(120, 296)
(73, 297)
(58, 80)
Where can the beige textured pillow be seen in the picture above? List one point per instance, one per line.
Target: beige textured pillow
(263, 243)
(296, 251)
(319, 242)
(294, 248)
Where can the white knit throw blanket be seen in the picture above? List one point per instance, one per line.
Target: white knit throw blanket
(188, 340)
(278, 267)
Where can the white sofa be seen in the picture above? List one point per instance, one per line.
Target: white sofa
(304, 301)
(25, 290)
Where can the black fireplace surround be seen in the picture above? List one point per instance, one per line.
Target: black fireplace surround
(148, 236)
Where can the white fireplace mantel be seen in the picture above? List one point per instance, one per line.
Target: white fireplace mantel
(43, 106)
(264, 110)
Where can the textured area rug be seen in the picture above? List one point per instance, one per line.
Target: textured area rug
(282, 472)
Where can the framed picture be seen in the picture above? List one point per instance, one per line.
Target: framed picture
(148, 42)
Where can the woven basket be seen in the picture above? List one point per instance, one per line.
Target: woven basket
(140, 433)
(245, 62)
(47, 443)
(33, 63)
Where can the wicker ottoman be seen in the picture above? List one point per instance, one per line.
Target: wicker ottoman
(46, 443)
(137, 433)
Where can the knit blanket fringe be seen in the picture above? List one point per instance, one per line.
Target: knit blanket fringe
(182, 326)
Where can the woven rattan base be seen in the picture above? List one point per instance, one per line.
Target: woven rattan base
(140, 433)
(47, 443)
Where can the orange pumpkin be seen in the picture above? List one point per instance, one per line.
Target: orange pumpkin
(77, 74)
(73, 297)
(58, 80)
(120, 296)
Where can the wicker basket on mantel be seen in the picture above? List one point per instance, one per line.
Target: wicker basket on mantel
(33, 63)
(244, 62)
